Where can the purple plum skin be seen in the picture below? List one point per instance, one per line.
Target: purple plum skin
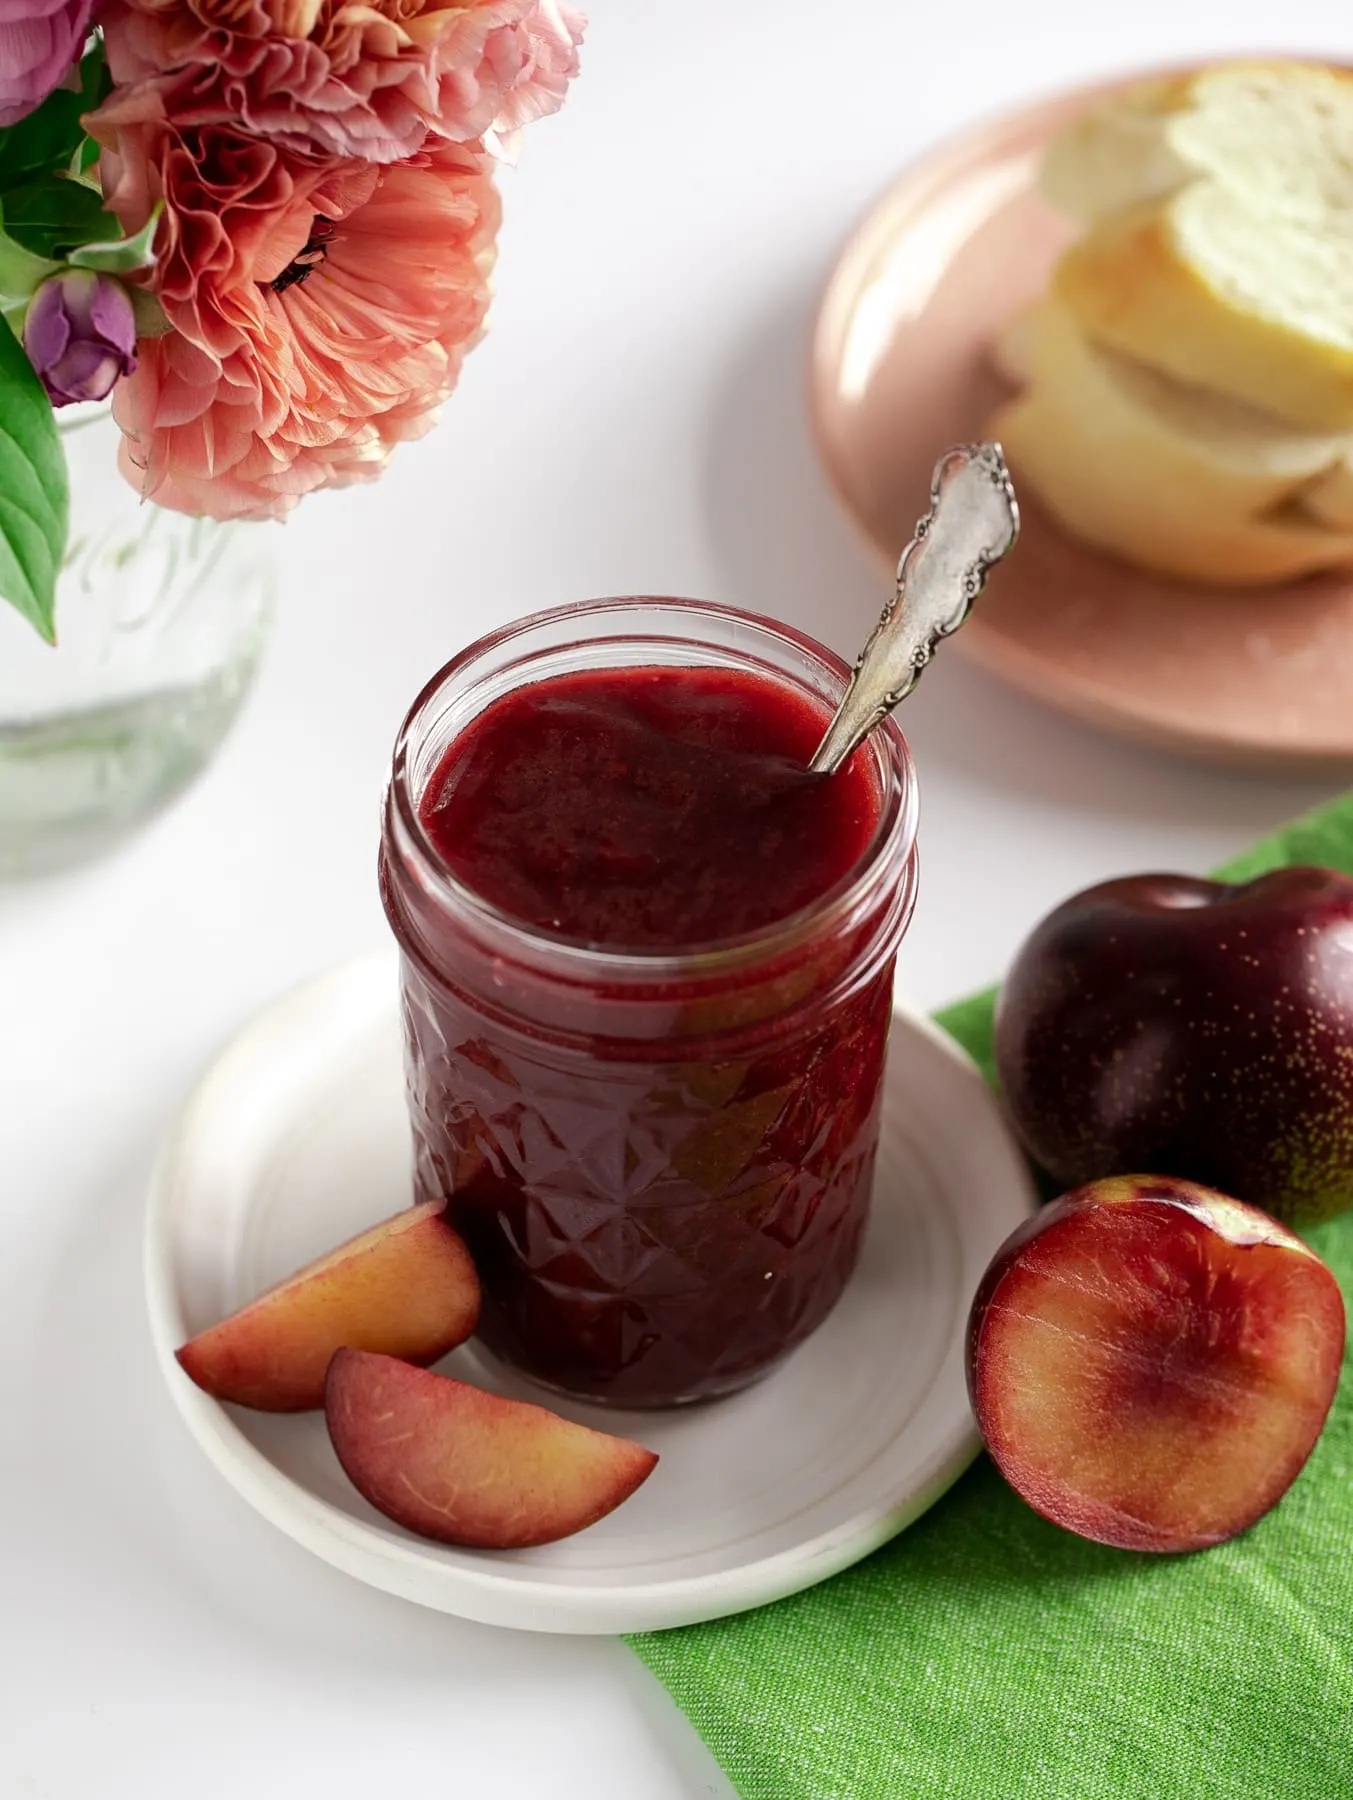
(1194, 1028)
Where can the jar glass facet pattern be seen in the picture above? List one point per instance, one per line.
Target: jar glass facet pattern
(661, 1162)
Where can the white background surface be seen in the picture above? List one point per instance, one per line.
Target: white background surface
(633, 423)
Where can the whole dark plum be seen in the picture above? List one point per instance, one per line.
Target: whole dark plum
(1193, 1028)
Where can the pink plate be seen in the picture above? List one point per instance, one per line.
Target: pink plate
(900, 369)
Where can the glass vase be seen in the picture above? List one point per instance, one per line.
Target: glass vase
(161, 621)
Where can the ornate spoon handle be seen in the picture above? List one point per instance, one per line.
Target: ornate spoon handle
(972, 523)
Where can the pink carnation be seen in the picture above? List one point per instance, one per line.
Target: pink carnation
(321, 306)
(368, 78)
(39, 41)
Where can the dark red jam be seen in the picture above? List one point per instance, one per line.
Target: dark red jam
(648, 809)
(662, 1171)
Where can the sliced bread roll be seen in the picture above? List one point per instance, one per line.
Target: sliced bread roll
(1228, 456)
(1119, 153)
(1176, 480)
(1280, 133)
(1205, 289)
(1150, 528)
(1220, 248)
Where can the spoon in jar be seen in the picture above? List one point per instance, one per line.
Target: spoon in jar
(972, 523)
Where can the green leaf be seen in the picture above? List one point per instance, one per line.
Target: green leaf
(52, 215)
(126, 255)
(52, 136)
(20, 270)
(77, 169)
(34, 499)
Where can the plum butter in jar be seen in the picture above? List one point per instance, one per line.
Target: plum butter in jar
(647, 968)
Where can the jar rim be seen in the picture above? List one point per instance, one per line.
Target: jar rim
(890, 846)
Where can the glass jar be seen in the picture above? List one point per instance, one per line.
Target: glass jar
(161, 621)
(661, 1161)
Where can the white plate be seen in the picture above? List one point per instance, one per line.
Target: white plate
(297, 1138)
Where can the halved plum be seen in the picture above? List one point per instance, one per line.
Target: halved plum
(1151, 1362)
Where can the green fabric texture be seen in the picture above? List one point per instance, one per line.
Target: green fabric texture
(986, 1655)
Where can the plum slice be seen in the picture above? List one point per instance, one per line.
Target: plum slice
(453, 1463)
(407, 1287)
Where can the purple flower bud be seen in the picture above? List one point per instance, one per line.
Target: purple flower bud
(39, 40)
(80, 335)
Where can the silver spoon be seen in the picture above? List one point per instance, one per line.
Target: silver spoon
(972, 523)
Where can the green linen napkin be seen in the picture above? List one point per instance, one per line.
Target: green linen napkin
(986, 1655)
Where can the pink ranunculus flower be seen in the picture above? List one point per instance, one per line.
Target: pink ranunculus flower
(321, 306)
(368, 78)
(39, 41)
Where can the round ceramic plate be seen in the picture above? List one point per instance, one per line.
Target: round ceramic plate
(297, 1138)
(901, 368)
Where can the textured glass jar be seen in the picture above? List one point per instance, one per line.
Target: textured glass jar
(661, 1161)
(160, 621)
